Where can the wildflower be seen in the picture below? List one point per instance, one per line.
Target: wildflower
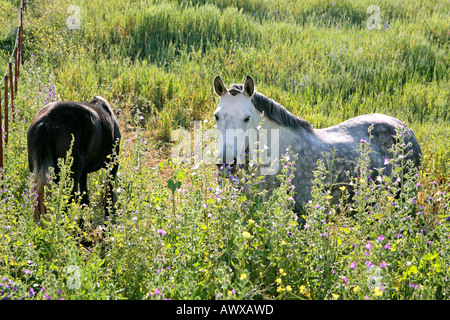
(246, 235)
(377, 292)
(356, 289)
(368, 246)
(383, 264)
(161, 232)
(278, 281)
(335, 296)
(381, 238)
(288, 288)
(353, 265)
(46, 296)
(387, 247)
(26, 271)
(243, 276)
(157, 291)
(344, 279)
(386, 161)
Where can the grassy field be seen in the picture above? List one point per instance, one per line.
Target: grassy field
(155, 62)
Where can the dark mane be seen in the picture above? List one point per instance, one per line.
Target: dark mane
(273, 110)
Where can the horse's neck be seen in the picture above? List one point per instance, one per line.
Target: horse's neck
(279, 138)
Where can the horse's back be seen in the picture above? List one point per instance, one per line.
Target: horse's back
(92, 126)
(384, 130)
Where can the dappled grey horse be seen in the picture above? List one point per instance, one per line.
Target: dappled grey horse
(245, 117)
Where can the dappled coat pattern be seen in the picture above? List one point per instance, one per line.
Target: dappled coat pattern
(242, 108)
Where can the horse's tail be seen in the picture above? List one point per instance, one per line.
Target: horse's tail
(40, 158)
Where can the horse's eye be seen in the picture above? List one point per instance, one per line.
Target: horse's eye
(247, 119)
(217, 117)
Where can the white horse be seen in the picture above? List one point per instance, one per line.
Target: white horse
(243, 114)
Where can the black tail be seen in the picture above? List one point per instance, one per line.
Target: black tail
(40, 158)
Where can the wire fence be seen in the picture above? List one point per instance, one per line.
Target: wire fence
(10, 82)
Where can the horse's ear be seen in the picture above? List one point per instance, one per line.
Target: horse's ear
(93, 100)
(249, 86)
(219, 87)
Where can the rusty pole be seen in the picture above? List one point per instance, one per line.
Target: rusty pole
(11, 84)
(1, 133)
(6, 110)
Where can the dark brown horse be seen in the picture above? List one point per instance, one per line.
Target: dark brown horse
(95, 132)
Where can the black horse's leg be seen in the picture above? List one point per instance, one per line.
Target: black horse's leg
(109, 207)
(83, 189)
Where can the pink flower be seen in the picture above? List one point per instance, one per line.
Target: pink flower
(368, 246)
(161, 232)
(353, 265)
(383, 264)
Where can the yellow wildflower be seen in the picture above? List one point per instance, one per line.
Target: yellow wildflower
(377, 292)
(246, 235)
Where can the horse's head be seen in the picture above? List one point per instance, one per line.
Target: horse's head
(98, 100)
(234, 117)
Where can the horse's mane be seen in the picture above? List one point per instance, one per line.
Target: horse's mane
(273, 110)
